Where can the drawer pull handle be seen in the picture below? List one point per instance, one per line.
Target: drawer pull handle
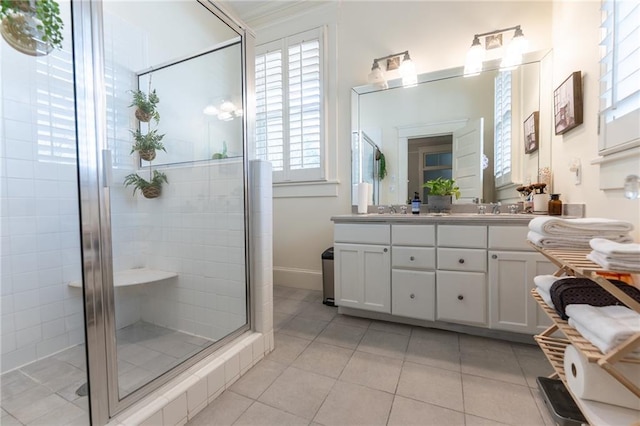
(385, 250)
(412, 296)
(412, 258)
(460, 260)
(494, 256)
(460, 297)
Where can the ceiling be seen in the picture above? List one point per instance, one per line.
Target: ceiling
(250, 10)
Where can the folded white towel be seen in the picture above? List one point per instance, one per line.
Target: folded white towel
(545, 282)
(597, 341)
(594, 227)
(612, 324)
(615, 249)
(569, 241)
(614, 264)
(546, 296)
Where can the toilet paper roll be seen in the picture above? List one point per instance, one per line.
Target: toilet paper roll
(541, 202)
(589, 381)
(363, 197)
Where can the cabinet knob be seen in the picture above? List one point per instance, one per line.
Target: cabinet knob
(385, 250)
(412, 258)
(460, 297)
(460, 260)
(412, 296)
(494, 256)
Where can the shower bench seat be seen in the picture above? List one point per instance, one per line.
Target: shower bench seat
(135, 277)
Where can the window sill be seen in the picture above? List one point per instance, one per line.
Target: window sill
(324, 188)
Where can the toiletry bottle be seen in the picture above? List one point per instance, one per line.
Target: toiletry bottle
(555, 205)
(415, 203)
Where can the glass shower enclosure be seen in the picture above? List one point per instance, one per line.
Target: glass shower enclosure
(144, 283)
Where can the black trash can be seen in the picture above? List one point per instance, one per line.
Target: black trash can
(327, 277)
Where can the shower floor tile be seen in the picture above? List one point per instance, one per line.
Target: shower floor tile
(44, 392)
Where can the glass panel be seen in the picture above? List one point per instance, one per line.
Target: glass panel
(178, 250)
(43, 346)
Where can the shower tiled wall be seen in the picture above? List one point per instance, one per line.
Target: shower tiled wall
(39, 222)
(196, 229)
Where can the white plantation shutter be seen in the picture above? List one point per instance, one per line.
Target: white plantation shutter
(56, 128)
(619, 74)
(289, 114)
(502, 130)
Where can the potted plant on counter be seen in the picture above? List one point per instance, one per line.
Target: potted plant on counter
(440, 192)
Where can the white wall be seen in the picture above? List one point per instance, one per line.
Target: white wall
(39, 222)
(437, 35)
(577, 24)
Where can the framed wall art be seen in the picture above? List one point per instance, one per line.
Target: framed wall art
(531, 133)
(567, 103)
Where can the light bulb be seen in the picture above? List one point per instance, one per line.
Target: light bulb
(408, 72)
(227, 106)
(376, 77)
(475, 56)
(210, 110)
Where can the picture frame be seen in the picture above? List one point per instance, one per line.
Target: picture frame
(531, 132)
(567, 104)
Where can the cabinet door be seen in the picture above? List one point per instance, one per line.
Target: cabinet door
(511, 276)
(461, 297)
(413, 294)
(363, 276)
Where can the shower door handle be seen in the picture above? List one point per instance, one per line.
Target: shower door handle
(106, 168)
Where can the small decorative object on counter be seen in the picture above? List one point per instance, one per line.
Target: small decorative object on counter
(555, 205)
(415, 203)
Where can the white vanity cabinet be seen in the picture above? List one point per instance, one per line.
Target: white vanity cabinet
(512, 266)
(413, 277)
(461, 287)
(362, 266)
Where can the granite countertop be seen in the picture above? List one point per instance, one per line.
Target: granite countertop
(468, 218)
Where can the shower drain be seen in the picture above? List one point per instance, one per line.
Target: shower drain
(82, 390)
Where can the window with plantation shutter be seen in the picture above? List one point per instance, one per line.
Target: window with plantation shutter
(289, 107)
(502, 130)
(619, 76)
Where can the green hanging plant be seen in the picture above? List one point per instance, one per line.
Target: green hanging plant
(145, 105)
(26, 23)
(150, 189)
(382, 164)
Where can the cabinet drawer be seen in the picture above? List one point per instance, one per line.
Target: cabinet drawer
(413, 235)
(361, 233)
(509, 238)
(462, 236)
(413, 257)
(461, 297)
(413, 294)
(462, 259)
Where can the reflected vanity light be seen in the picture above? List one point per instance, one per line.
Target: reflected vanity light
(510, 60)
(401, 61)
(227, 111)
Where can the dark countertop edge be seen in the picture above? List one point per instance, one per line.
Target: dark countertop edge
(463, 219)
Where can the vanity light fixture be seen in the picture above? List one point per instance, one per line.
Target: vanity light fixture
(401, 61)
(493, 39)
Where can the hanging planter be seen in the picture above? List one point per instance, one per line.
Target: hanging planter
(31, 27)
(149, 189)
(145, 105)
(147, 144)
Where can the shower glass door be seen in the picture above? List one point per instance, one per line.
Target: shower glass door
(178, 233)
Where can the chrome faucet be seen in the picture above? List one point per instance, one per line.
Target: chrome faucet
(392, 209)
(495, 207)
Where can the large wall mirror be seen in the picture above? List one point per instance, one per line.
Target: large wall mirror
(446, 121)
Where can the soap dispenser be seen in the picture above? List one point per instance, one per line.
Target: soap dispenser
(415, 203)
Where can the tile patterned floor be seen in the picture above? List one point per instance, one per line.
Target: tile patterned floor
(330, 369)
(44, 392)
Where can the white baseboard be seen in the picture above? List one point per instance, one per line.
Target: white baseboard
(297, 278)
